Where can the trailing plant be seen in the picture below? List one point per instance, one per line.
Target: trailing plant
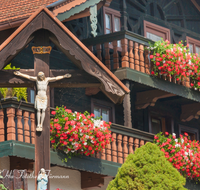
(174, 60)
(78, 133)
(20, 93)
(183, 153)
(147, 168)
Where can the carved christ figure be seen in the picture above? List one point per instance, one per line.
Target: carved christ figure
(41, 97)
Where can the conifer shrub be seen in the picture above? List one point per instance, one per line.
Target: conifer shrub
(147, 169)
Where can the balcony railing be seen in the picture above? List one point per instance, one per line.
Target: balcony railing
(17, 122)
(125, 49)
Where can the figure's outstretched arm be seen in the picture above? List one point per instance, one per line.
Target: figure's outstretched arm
(53, 79)
(25, 76)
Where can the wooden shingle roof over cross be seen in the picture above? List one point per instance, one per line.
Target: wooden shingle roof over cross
(72, 47)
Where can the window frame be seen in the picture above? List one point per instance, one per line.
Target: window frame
(193, 41)
(113, 13)
(161, 116)
(156, 30)
(106, 105)
(189, 130)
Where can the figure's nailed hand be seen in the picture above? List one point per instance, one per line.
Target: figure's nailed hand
(67, 75)
(16, 72)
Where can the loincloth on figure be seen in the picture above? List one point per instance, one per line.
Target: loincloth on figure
(40, 102)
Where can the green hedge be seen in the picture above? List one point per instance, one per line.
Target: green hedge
(147, 168)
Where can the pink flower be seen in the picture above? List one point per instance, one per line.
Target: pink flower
(53, 113)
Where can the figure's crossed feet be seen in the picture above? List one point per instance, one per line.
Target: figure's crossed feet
(39, 128)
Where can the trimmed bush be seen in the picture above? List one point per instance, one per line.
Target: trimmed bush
(147, 168)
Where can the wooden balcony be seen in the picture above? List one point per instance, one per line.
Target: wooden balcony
(126, 49)
(17, 123)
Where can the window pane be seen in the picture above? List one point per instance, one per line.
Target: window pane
(153, 37)
(108, 21)
(117, 24)
(97, 112)
(197, 49)
(108, 31)
(105, 115)
(156, 126)
(32, 96)
(191, 48)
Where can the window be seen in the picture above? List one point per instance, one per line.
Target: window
(159, 123)
(111, 21)
(194, 45)
(104, 109)
(31, 95)
(192, 133)
(156, 32)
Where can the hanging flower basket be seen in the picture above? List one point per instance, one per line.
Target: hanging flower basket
(182, 153)
(174, 60)
(78, 133)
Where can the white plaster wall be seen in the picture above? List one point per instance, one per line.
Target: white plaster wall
(73, 182)
(5, 163)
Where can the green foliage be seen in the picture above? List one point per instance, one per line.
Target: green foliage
(20, 93)
(147, 169)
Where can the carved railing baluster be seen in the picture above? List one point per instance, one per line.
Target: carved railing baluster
(107, 55)
(141, 50)
(125, 149)
(114, 148)
(11, 133)
(137, 66)
(146, 61)
(119, 149)
(124, 53)
(130, 145)
(2, 133)
(103, 154)
(32, 117)
(115, 55)
(131, 55)
(26, 127)
(141, 142)
(90, 48)
(19, 126)
(136, 143)
(108, 152)
(99, 50)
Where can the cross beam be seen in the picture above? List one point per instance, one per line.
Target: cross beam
(79, 80)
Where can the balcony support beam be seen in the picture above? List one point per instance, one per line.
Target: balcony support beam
(127, 107)
(190, 111)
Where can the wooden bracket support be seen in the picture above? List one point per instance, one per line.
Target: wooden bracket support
(190, 111)
(89, 180)
(150, 97)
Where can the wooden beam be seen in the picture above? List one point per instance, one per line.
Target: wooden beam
(89, 180)
(91, 91)
(190, 111)
(149, 98)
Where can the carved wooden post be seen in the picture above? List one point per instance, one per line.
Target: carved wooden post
(32, 116)
(137, 66)
(2, 137)
(119, 149)
(108, 152)
(107, 55)
(114, 148)
(141, 50)
(19, 126)
(131, 55)
(11, 134)
(130, 144)
(99, 49)
(186, 82)
(136, 143)
(26, 127)
(115, 55)
(127, 107)
(124, 43)
(146, 61)
(125, 149)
